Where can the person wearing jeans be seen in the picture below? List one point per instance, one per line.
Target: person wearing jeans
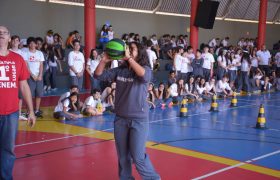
(131, 124)
(14, 75)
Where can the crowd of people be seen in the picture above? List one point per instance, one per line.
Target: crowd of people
(216, 68)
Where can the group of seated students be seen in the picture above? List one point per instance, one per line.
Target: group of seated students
(71, 107)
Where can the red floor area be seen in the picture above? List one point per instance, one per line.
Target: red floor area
(89, 158)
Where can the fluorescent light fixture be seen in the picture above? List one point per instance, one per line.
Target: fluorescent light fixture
(40, 0)
(172, 14)
(219, 18)
(67, 3)
(123, 9)
(246, 20)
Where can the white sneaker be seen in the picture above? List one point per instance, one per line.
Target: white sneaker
(22, 118)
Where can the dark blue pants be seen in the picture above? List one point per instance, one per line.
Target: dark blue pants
(8, 132)
(95, 83)
(131, 136)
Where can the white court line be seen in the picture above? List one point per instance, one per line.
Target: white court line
(104, 130)
(237, 165)
(236, 124)
(274, 129)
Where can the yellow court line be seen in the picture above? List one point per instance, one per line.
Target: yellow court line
(56, 127)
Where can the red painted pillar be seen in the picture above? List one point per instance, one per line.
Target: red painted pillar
(89, 20)
(193, 28)
(262, 23)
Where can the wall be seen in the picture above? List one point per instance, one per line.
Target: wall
(26, 17)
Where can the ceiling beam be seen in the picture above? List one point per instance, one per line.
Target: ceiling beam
(157, 7)
(227, 10)
(276, 15)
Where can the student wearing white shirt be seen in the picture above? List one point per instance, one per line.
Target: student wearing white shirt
(190, 55)
(191, 91)
(222, 64)
(34, 60)
(177, 63)
(202, 90)
(245, 70)
(68, 108)
(232, 69)
(264, 57)
(223, 89)
(76, 62)
(277, 60)
(155, 44)
(254, 61)
(185, 67)
(92, 63)
(93, 105)
(213, 43)
(151, 54)
(207, 63)
(224, 42)
(110, 33)
(211, 86)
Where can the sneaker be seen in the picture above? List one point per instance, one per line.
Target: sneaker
(22, 118)
(49, 88)
(38, 114)
(45, 88)
(53, 89)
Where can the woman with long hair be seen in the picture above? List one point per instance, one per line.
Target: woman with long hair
(131, 123)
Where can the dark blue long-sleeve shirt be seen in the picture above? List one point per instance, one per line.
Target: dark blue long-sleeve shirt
(131, 91)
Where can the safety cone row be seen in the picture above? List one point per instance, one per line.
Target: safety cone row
(261, 121)
(214, 104)
(233, 100)
(184, 109)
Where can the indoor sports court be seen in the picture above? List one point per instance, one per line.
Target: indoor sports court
(139, 89)
(204, 145)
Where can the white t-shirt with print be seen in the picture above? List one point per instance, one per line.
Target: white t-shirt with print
(222, 86)
(155, 42)
(178, 62)
(264, 57)
(200, 90)
(254, 62)
(61, 105)
(152, 57)
(77, 60)
(185, 63)
(191, 58)
(277, 59)
(208, 60)
(93, 63)
(110, 35)
(234, 62)
(33, 61)
(222, 60)
(91, 102)
(213, 43)
(245, 66)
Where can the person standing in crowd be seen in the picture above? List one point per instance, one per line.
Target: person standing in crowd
(151, 54)
(277, 60)
(214, 42)
(225, 42)
(245, 71)
(177, 62)
(111, 33)
(264, 58)
(49, 38)
(222, 64)
(208, 63)
(14, 74)
(35, 59)
(197, 64)
(76, 62)
(104, 37)
(132, 111)
(92, 63)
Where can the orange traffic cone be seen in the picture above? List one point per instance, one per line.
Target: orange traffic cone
(233, 100)
(261, 119)
(214, 104)
(184, 109)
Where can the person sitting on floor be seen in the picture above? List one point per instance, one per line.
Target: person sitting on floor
(69, 108)
(223, 88)
(93, 105)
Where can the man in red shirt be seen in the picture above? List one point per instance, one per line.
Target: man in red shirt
(13, 76)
